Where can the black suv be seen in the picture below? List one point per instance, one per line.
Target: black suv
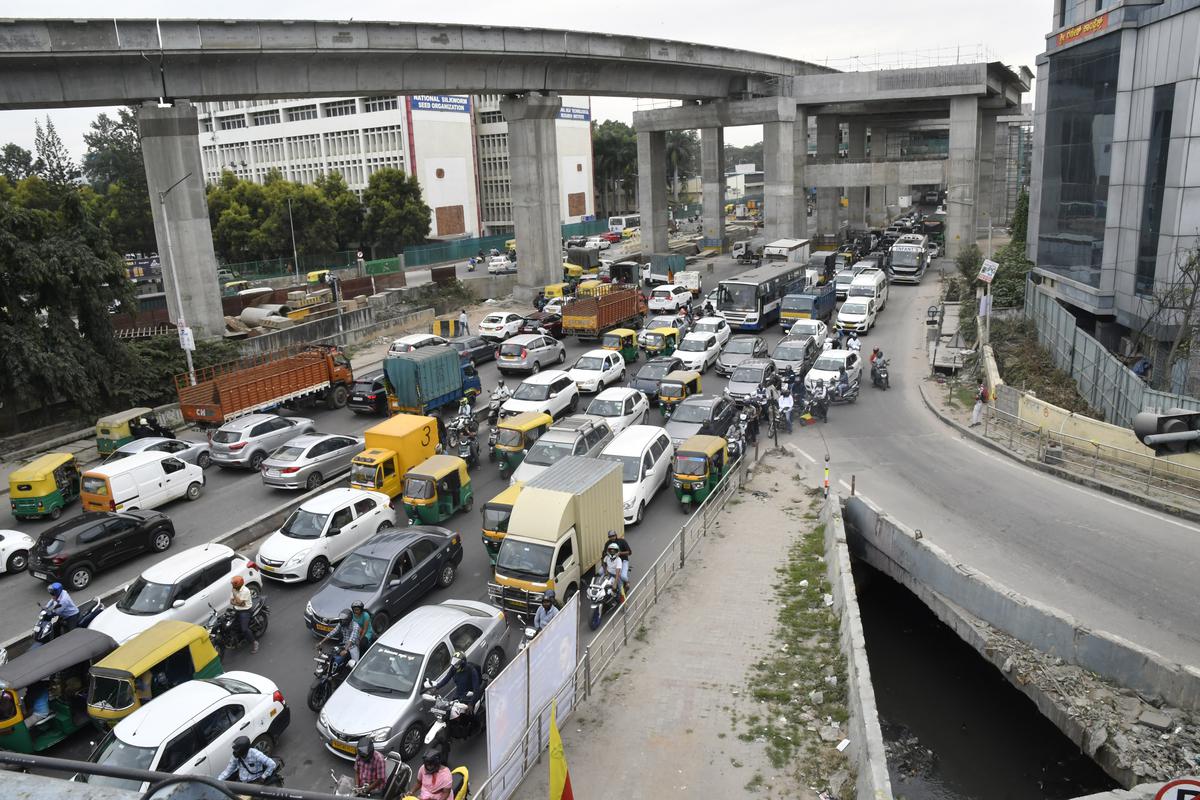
(650, 376)
(76, 549)
(700, 415)
(368, 396)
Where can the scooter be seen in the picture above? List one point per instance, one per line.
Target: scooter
(737, 437)
(470, 265)
(223, 628)
(849, 395)
(817, 406)
(527, 636)
(459, 778)
(456, 719)
(879, 374)
(330, 673)
(496, 399)
(49, 625)
(604, 595)
(463, 441)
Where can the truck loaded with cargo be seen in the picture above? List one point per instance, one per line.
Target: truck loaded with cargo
(662, 268)
(792, 250)
(610, 306)
(392, 448)
(427, 379)
(557, 532)
(260, 383)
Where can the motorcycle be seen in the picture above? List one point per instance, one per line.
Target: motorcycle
(736, 441)
(455, 719)
(460, 779)
(496, 399)
(329, 674)
(461, 439)
(848, 395)
(604, 595)
(49, 625)
(399, 777)
(879, 374)
(817, 406)
(470, 265)
(223, 628)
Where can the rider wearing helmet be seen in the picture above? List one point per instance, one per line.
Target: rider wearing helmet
(346, 635)
(434, 781)
(876, 354)
(370, 768)
(467, 679)
(546, 611)
(248, 765)
(62, 605)
(614, 565)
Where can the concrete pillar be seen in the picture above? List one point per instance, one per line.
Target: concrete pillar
(877, 213)
(799, 183)
(652, 189)
(779, 179)
(171, 153)
(857, 195)
(533, 167)
(987, 172)
(828, 197)
(962, 191)
(712, 184)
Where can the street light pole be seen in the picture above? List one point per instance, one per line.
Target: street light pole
(184, 331)
(295, 257)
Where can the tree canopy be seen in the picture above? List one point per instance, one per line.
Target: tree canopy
(396, 215)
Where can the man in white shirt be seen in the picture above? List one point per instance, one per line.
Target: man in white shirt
(786, 404)
(615, 565)
(242, 602)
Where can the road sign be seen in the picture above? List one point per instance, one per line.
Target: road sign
(360, 255)
(186, 340)
(988, 270)
(1179, 789)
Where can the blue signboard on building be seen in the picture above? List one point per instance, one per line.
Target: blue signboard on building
(441, 102)
(575, 113)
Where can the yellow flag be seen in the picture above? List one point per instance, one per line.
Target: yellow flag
(560, 778)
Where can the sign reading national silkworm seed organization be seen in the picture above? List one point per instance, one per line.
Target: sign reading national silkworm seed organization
(1083, 30)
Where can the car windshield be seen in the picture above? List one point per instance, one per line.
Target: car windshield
(495, 518)
(829, 364)
(287, 454)
(93, 484)
(707, 327)
(790, 351)
(544, 453)
(606, 408)
(798, 302)
(843, 278)
(115, 753)
(660, 322)
(509, 437)
(740, 346)
(363, 387)
(690, 412)
(690, 345)
(110, 693)
(655, 372)
(694, 466)
(746, 375)
(359, 572)
(418, 488)
(363, 475)
(862, 291)
(524, 558)
(854, 308)
(304, 525)
(807, 327)
(631, 466)
(146, 597)
(459, 346)
(738, 296)
(906, 257)
(119, 454)
(385, 670)
(532, 391)
(590, 363)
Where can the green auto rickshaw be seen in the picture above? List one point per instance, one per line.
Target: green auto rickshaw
(44, 486)
(496, 514)
(437, 489)
(700, 464)
(515, 435)
(675, 387)
(660, 341)
(117, 429)
(43, 692)
(624, 341)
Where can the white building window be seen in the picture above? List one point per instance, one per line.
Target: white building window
(373, 104)
(488, 117)
(265, 117)
(230, 123)
(298, 113)
(341, 108)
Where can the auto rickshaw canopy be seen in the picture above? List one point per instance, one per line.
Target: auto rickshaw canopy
(60, 653)
(39, 471)
(153, 646)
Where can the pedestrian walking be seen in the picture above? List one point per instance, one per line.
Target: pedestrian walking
(464, 324)
(981, 398)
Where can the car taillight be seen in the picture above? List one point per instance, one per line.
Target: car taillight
(238, 446)
(524, 352)
(372, 396)
(278, 696)
(289, 470)
(251, 565)
(58, 560)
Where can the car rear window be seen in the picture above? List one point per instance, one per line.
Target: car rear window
(510, 349)
(287, 454)
(53, 546)
(94, 485)
(226, 437)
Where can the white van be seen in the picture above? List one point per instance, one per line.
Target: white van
(644, 453)
(871, 283)
(144, 480)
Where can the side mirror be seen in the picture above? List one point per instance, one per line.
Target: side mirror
(179, 604)
(333, 532)
(395, 582)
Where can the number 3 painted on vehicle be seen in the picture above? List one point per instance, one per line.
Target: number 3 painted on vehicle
(425, 441)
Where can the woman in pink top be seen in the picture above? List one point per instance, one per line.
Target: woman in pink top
(434, 782)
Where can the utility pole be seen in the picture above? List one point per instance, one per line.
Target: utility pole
(186, 341)
(295, 257)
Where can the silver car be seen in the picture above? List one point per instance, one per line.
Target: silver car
(247, 441)
(310, 460)
(381, 697)
(530, 352)
(198, 453)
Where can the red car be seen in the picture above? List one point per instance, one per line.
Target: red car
(615, 238)
(543, 322)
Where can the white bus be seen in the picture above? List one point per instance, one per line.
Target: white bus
(908, 258)
(618, 224)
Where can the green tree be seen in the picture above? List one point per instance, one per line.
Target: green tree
(54, 163)
(396, 214)
(238, 211)
(344, 208)
(683, 159)
(309, 216)
(750, 154)
(113, 166)
(614, 152)
(16, 163)
(1020, 218)
(968, 261)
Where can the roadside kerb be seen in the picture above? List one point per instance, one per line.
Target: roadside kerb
(866, 748)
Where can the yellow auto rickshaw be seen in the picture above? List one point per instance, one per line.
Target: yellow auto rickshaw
(589, 288)
(660, 341)
(572, 273)
(515, 435)
(700, 463)
(437, 489)
(676, 386)
(496, 513)
(44, 486)
(43, 692)
(115, 430)
(624, 341)
(159, 658)
(317, 276)
(555, 290)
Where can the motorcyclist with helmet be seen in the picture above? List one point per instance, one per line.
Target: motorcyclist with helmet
(467, 680)
(248, 764)
(370, 769)
(546, 611)
(434, 780)
(346, 636)
(62, 605)
(616, 566)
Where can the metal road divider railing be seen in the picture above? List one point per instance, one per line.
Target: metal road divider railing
(1134, 471)
(615, 633)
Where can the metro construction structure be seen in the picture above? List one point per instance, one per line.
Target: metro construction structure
(168, 65)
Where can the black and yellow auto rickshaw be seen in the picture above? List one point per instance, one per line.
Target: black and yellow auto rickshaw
(572, 274)
(159, 658)
(700, 463)
(660, 341)
(554, 291)
(496, 513)
(515, 435)
(114, 430)
(624, 341)
(676, 386)
(43, 692)
(44, 486)
(437, 489)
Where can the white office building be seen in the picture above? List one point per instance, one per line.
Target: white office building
(456, 146)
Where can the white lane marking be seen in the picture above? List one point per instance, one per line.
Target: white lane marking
(806, 455)
(844, 485)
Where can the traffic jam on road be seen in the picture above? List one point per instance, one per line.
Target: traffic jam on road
(610, 409)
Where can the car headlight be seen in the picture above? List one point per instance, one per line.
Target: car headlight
(308, 609)
(323, 718)
(628, 504)
(380, 734)
(296, 559)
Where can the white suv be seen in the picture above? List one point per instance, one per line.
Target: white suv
(323, 531)
(644, 453)
(670, 298)
(552, 392)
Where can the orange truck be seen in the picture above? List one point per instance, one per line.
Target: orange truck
(260, 383)
(611, 306)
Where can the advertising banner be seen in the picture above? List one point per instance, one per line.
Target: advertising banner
(441, 102)
(507, 695)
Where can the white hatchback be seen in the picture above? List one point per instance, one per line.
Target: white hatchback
(698, 351)
(597, 369)
(644, 453)
(717, 326)
(829, 365)
(620, 407)
(323, 531)
(500, 325)
(182, 587)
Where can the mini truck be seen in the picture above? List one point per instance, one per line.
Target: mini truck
(392, 448)
(612, 306)
(427, 379)
(557, 532)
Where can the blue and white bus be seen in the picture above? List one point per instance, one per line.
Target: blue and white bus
(751, 301)
(618, 224)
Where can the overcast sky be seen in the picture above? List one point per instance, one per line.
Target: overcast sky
(850, 35)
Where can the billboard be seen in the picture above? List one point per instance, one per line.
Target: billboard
(441, 102)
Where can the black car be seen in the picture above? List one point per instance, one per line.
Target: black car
(368, 395)
(76, 549)
(650, 376)
(390, 573)
(700, 414)
(474, 349)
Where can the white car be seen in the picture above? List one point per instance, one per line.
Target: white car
(500, 265)
(857, 314)
(14, 551)
(620, 407)
(323, 531)
(551, 391)
(190, 729)
(597, 369)
(644, 453)
(182, 587)
(717, 326)
(414, 341)
(555, 305)
(500, 325)
(675, 321)
(669, 297)
(828, 366)
(698, 351)
(815, 328)
(597, 243)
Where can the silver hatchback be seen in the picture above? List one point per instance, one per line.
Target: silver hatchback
(247, 441)
(310, 460)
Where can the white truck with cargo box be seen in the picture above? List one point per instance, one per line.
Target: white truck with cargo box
(557, 532)
(793, 250)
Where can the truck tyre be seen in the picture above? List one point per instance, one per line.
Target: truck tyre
(336, 397)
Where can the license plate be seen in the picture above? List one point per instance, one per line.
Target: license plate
(265, 568)
(323, 628)
(509, 358)
(40, 575)
(358, 398)
(344, 747)
(274, 473)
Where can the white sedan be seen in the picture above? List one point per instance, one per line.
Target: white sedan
(597, 369)
(717, 326)
(597, 243)
(698, 351)
(620, 407)
(809, 327)
(14, 551)
(499, 326)
(323, 531)
(500, 265)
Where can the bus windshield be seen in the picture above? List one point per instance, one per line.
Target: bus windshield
(738, 297)
(906, 257)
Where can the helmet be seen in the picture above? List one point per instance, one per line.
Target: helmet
(459, 660)
(612, 534)
(238, 581)
(356, 606)
(54, 588)
(366, 747)
(433, 759)
(241, 746)
(345, 616)
(548, 596)
(875, 350)
(500, 385)
(878, 352)
(613, 547)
